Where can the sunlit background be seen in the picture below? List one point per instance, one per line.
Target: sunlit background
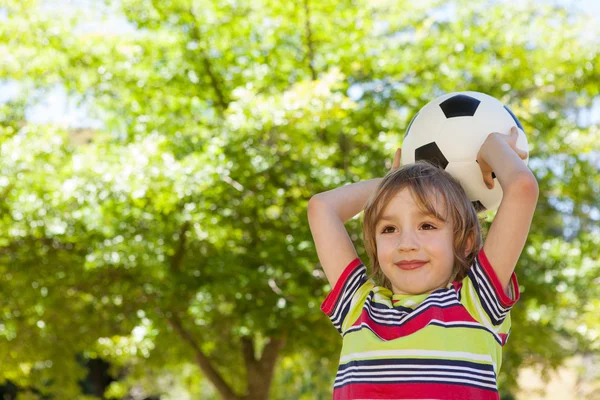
(156, 167)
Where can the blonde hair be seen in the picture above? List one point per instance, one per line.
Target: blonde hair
(426, 183)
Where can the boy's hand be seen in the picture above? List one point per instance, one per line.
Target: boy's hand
(486, 169)
(396, 163)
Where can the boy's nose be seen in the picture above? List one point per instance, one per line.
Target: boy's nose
(407, 242)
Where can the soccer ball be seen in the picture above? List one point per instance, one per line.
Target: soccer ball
(449, 132)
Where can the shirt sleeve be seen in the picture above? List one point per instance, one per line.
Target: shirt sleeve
(484, 297)
(344, 303)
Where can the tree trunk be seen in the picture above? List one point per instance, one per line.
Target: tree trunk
(260, 371)
(203, 361)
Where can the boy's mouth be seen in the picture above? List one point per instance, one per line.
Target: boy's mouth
(410, 264)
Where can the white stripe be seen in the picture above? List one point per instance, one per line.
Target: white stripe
(356, 374)
(487, 291)
(388, 367)
(337, 384)
(445, 324)
(452, 323)
(400, 375)
(483, 317)
(491, 298)
(392, 315)
(417, 353)
(396, 316)
(351, 287)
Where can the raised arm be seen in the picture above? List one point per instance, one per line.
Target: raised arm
(508, 233)
(327, 213)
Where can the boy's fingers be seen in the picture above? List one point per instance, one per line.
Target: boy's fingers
(522, 154)
(396, 162)
(515, 132)
(486, 179)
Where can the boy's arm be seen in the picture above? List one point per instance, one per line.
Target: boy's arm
(508, 233)
(327, 213)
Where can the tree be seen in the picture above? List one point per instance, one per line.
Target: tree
(179, 233)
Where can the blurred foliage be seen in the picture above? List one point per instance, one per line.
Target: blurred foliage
(177, 234)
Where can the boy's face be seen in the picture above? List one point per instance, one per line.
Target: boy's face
(407, 235)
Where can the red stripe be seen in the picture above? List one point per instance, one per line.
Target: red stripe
(456, 313)
(493, 279)
(503, 337)
(331, 299)
(399, 391)
(457, 286)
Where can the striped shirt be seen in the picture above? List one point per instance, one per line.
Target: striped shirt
(441, 345)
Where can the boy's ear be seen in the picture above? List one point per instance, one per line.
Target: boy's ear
(470, 242)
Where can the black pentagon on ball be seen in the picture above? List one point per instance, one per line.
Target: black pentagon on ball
(514, 117)
(478, 206)
(432, 153)
(460, 105)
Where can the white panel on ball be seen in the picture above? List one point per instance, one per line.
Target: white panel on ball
(461, 137)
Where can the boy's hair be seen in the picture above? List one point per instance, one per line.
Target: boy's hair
(427, 183)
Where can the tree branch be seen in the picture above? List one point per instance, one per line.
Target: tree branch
(202, 360)
(180, 252)
(309, 42)
(195, 33)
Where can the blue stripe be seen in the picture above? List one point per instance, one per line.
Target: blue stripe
(399, 317)
(342, 306)
(482, 300)
(418, 361)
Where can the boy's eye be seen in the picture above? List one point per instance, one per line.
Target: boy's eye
(425, 226)
(385, 229)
